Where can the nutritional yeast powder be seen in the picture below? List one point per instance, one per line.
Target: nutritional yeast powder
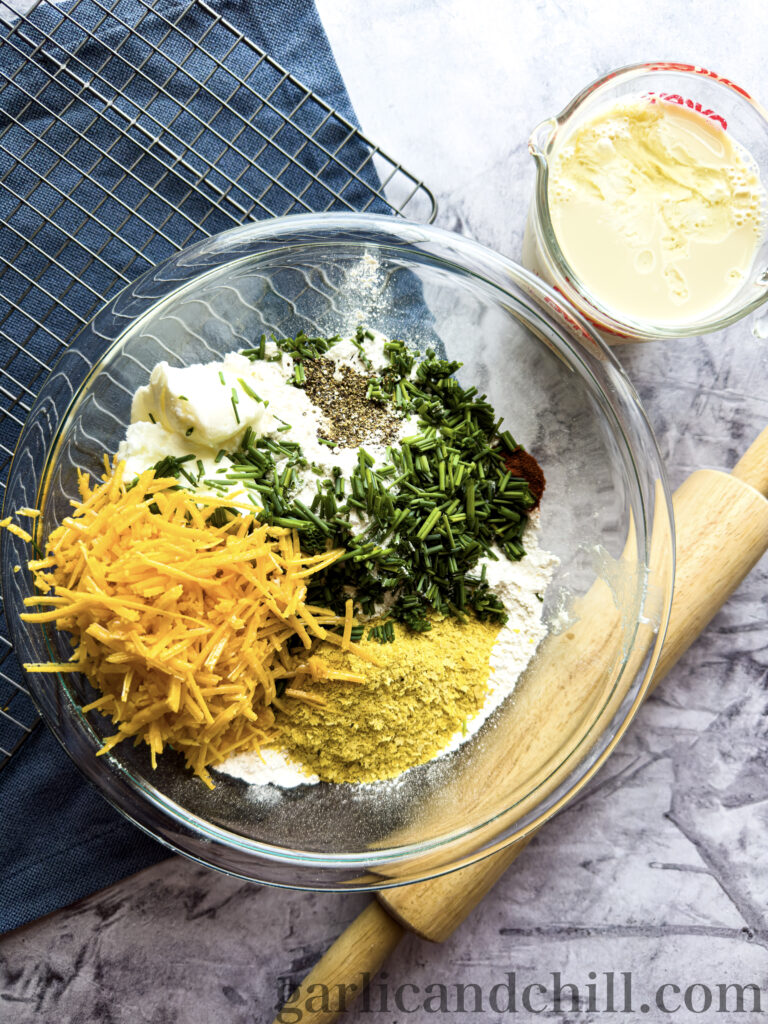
(403, 714)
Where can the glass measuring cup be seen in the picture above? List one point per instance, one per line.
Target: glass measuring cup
(691, 86)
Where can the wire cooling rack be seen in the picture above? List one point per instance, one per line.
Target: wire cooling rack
(128, 130)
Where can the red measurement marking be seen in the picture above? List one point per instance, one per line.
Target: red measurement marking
(671, 66)
(673, 97)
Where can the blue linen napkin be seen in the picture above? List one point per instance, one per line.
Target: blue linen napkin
(59, 839)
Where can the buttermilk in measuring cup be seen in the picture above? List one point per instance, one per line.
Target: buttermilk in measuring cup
(657, 212)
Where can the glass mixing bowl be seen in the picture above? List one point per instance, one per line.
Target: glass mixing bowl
(606, 515)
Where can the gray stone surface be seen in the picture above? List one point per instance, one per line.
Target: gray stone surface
(659, 869)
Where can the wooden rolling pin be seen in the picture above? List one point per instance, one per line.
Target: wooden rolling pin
(721, 521)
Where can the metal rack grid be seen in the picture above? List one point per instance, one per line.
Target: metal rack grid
(128, 130)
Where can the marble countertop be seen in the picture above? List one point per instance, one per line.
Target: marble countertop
(659, 870)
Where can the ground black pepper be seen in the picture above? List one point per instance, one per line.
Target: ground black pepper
(353, 418)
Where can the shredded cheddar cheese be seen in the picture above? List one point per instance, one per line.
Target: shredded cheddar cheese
(186, 628)
(6, 524)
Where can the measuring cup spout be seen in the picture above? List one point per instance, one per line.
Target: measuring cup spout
(540, 138)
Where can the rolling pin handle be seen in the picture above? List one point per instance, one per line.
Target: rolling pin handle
(339, 976)
(752, 467)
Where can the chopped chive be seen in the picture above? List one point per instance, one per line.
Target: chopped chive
(439, 504)
(249, 391)
(311, 516)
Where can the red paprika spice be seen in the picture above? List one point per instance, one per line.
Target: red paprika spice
(521, 463)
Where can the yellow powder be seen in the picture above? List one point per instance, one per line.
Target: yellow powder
(405, 711)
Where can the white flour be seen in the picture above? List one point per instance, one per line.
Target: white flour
(521, 586)
(268, 766)
(363, 280)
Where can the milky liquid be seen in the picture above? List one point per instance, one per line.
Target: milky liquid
(657, 210)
